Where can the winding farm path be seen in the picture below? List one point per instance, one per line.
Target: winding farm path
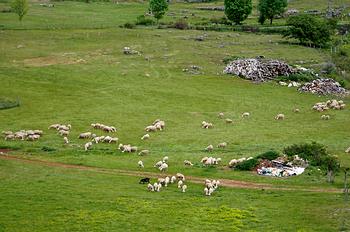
(224, 182)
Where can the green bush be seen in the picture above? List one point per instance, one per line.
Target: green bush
(129, 25)
(247, 165)
(298, 77)
(310, 30)
(181, 24)
(238, 10)
(269, 155)
(6, 103)
(142, 20)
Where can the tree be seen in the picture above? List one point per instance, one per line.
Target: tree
(158, 8)
(310, 30)
(238, 10)
(20, 7)
(270, 8)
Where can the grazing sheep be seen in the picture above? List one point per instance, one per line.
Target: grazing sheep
(150, 187)
(158, 164)
(140, 163)
(157, 187)
(159, 124)
(207, 125)
(179, 184)
(161, 181)
(245, 115)
(296, 110)
(10, 137)
(87, 146)
(206, 191)
(33, 137)
(347, 150)
(133, 149)
(163, 167)
(54, 126)
(63, 127)
(86, 135)
(221, 115)
(228, 120)
(279, 117)
(165, 159)
(38, 132)
(180, 176)
(234, 162)
(151, 128)
(172, 179)
(144, 152)
(184, 187)
(146, 136)
(7, 133)
(188, 163)
(209, 148)
(65, 139)
(166, 181)
(325, 117)
(222, 145)
(113, 140)
(98, 139)
(63, 133)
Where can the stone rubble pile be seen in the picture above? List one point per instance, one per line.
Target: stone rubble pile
(258, 70)
(330, 104)
(324, 87)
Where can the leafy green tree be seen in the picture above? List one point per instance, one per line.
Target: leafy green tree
(158, 8)
(20, 7)
(238, 10)
(270, 8)
(310, 30)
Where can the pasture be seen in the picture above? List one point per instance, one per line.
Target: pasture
(66, 65)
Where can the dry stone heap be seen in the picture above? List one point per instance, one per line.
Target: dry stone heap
(258, 69)
(324, 87)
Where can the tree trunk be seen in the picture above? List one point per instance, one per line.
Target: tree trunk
(330, 176)
(271, 20)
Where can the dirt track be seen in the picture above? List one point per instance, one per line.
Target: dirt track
(224, 182)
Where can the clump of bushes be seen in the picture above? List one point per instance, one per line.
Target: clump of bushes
(298, 77)
(181, 24)
(129, 25)
(142, 20)
(269, 155)
(6, 103)
(247, 165)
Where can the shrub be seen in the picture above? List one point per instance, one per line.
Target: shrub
(309, 30)
(238, 10)
(269, 155)
(298, 77)
(142, 20)
(20, 7)
(269, 9)
(6, 103)
(181, 24)
(247, 165)
(158, 8)
(129, 25)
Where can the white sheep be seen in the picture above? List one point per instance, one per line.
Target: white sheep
(85, 135)
(140, 163)
(245, 115)
(10, 137)
(221, 115)
(228, 120)
(180, 176)
(157, 187)
(158, 164)
(279, 117)
(146, 136)
(63, 132)
(296, 110)
(188, 163)
(54, 126)
(209, 148)
(347, 150)
(166, 181)
(165, 159)
(325, 117)
(33, 137)
(65, 139)
(150, 128)
(87, 146)
(222, 145)
(172, 179)
(163, 167)
(150, 187)
(184, 187)
(206, 191)
(143, 152)
(179, 184)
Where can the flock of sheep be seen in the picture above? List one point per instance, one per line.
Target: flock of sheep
(159, 125)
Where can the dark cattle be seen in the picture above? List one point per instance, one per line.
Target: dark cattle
(144, 181)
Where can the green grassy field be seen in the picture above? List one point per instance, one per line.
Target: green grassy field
(66, 65)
